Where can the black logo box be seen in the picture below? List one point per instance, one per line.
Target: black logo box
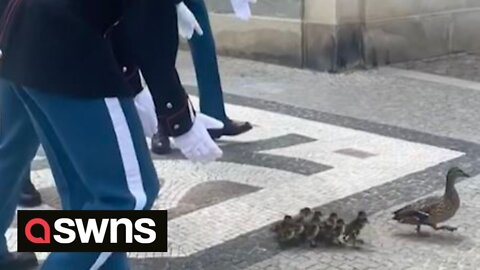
(160, 218)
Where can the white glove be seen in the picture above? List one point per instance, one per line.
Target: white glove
(196, 144)
(241, 8)
(146, 112)
(187, 23)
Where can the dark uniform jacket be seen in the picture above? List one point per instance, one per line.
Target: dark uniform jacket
(64, 47)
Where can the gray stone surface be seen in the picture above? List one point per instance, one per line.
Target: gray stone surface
(393, 41)
(343, 34)
(268, 39)
(249, 153)
(291, 9)
(355, 153)
(464, 33)
(372, 95)
(463, 66)
(208, 194)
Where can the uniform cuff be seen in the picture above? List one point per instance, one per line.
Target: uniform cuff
(178, 123)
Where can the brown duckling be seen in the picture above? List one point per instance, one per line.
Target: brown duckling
(338, 232)
(312, 229)
(328, 227)
(332, 237)
(286, 236)
(286, 230)
(353, 229)
(292, 234)
(434, 210)
(332, 220)
(306, 215)
(287, 221)
(299, 227)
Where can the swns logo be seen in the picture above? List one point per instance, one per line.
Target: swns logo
(92, 231)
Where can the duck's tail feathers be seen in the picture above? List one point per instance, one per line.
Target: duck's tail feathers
(397, 215)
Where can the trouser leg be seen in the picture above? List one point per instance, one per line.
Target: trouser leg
(18, 145)
(206, 64)
(105, 142)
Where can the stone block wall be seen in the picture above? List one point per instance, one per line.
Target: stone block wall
(332, 35)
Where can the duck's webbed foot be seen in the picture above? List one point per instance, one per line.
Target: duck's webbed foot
(355, 241)
(339, 242)
(447, 228)
(359, 241)
(443, 228)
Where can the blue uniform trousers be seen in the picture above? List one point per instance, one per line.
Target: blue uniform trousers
(97, 152)
(204, 57)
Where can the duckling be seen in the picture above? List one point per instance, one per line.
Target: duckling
(328, 227)
(317, 215)
(293, 234)
(286, 236)
(285, 230)
(306, 214)
(434, 210)
(287, 221)
(332, 220)
(334, 234)
(338, 232)
(313, 228)
(300, 220)
(353, 229)
(299, 227)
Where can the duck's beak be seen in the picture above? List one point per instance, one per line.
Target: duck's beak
(466, 175)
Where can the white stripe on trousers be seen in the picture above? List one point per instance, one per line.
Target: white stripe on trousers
(130, 163)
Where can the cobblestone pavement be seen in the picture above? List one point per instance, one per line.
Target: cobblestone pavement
(463, 66)
(371, 140)
(381, 96)
(392, 246)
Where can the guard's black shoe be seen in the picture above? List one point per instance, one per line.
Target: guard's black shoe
(30, 197)
(18, 261)
(160, 143)
(230, 128)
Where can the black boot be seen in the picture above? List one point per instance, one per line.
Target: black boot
(30, 197)
(160, 143)
(18, 261)
(231, 128)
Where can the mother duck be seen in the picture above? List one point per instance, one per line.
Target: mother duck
(434, 210)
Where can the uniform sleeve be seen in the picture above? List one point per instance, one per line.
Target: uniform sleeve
(125, 60)
(150, 28)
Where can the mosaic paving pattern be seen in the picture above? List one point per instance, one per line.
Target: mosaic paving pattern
(285, 163)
